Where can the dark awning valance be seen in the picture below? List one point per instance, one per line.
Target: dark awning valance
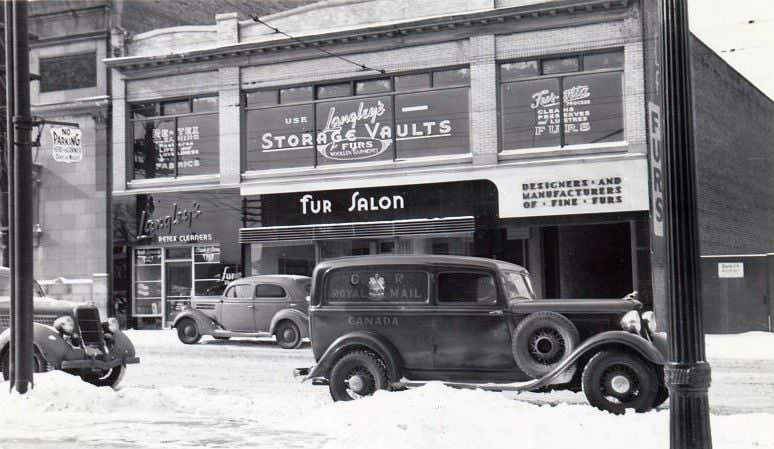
(373, 229)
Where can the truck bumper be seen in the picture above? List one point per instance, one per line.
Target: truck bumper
(95, 364)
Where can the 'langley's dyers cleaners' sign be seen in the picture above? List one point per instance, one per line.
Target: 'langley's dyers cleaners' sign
(165, 226)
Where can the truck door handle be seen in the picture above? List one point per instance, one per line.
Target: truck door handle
(250, 307)
(496, 313)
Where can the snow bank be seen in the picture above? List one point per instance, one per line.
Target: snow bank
(436, 416)
(747, 346)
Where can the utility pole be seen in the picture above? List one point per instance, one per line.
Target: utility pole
(687, 373)
(20, 201)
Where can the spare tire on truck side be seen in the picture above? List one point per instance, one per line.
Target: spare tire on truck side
(541, 341)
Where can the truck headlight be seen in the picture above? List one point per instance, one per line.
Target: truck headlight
(65, 325)
(113, 325)
(650, 320)
(631, 322)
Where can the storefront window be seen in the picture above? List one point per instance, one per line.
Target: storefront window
(432, 123)
(564, 109)
(180, 244)
(431, 118)
(282, 258)
(280, 137)
(184, 142)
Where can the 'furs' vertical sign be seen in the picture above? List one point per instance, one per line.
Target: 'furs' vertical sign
(66, 144)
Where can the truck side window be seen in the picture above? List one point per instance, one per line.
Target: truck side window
(470, 288)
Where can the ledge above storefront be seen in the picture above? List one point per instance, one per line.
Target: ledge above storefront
(551, 183)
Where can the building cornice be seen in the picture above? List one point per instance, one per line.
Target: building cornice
(401, 29)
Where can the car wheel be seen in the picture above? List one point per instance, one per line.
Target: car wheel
(288, 335)
(616, 381)
(5, 363)
(541, 341)
(661, 396)
(357, 374)
(108, 378)
(188, 332)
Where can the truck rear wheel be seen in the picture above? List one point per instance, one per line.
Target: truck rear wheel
(357, 374)
(108, 378)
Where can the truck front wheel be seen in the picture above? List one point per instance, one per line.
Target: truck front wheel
(615, 381)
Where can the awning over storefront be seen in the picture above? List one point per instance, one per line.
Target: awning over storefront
(372, 229)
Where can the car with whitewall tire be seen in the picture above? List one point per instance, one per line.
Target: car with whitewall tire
(70, 337)
(392, 322)
(254, 306)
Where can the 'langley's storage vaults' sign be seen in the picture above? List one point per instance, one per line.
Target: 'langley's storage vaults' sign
(358, 129)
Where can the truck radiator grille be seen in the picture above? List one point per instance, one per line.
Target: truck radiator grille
(91, 327)
(48, 320)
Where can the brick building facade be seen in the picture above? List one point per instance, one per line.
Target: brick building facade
(223, 162)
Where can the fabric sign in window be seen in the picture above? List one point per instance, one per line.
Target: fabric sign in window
(593, 108)
(432, 123)
(354, 130)
(280, 137)
(197, 145)
(531, 114)
(154, 149)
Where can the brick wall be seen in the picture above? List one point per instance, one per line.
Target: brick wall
(734, 132)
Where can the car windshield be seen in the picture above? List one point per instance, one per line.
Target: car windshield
(517, 285)
(5, 287)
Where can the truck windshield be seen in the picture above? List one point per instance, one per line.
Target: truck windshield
(517, 285)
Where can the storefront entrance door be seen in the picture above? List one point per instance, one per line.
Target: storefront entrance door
(178, 287)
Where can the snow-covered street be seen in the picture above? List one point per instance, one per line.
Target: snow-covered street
(240, 394)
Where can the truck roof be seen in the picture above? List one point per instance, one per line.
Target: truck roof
(412, 259)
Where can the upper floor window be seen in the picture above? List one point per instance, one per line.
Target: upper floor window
(387, 118)
(556, 102)
(68, 72)
(175, 137)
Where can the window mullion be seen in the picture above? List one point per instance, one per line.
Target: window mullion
(174, 134)
(561, 112)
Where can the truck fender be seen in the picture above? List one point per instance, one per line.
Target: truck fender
(205, 324)
(642, 347)
(48, 344)
(296, 316)
(121, 347)
(359, 340)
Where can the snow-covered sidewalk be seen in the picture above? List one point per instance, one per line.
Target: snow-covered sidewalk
(240, 394)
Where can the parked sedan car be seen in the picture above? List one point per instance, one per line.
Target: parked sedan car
(391, 322)
(70, 337)
(254, 306)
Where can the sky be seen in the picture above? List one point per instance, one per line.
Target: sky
(741, 32)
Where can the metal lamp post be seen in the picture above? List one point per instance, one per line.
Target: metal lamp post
(687, 373)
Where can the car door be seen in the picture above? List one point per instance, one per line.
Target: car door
(470, 331)
(269, 299)
(237, 308)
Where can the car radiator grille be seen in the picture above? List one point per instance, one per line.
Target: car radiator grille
(91, 327)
